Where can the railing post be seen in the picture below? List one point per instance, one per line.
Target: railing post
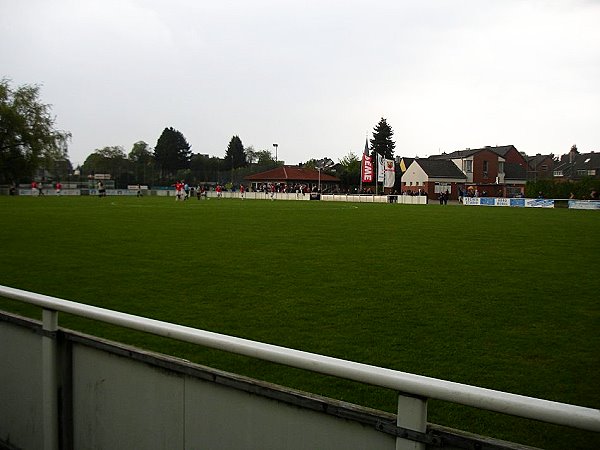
(50, 380)
(412, 415)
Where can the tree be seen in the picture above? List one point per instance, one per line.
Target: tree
(350, 172)
(111, 160)
(264, 158)
(382, 140)
(325, 164)
(57, 165)
(142, 161)
(172, 152)
(235, 156)
(140, 153)
(27, 132)
(205, 168)
(251, 157)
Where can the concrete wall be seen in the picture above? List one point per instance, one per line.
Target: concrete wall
(112, 396)
(118, 397)
(20, 386)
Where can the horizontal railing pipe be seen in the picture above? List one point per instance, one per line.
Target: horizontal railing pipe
(482, 398)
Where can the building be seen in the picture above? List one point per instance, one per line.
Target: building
(486, 169)
(574, 166)
(515, 179)
(540, 167)
(404, 163)
(433, 177)
(290, 176)
(510, 154)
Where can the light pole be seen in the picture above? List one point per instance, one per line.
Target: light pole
(319, 169)
(275, 145)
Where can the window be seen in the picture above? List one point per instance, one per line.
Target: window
(544, 167)
(440, 188)
(558, 173)
(581, 172)
(468, 166)
(500, 166)
(485, 168)
(592, 172)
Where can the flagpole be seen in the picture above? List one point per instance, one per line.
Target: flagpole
(362, 170)
(377, 178)
(362, 162)
(382, 168)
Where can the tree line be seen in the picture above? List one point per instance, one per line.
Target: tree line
(32, 148)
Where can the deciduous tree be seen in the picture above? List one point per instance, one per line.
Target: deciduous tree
(142, 160)
(350, 173)
(27, 133)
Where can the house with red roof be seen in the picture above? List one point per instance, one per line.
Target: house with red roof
(291, 176)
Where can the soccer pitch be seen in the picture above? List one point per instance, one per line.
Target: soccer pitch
(503, 298)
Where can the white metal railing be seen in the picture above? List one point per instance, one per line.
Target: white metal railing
(488, 399)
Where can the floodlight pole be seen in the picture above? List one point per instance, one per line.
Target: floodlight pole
(276, 145)
(319, 169)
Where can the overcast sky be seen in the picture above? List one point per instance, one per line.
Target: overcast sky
(314, 76)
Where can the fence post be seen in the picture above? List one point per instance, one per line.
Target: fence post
(50, 380)
(412, 415)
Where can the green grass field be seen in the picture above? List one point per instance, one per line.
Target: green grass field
(503, 298)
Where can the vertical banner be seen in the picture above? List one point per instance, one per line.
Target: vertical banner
(380, 168)
(390, 174)
(367, 169)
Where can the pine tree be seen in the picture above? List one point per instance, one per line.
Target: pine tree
(172, 152)
(235, 156)
(382, 142)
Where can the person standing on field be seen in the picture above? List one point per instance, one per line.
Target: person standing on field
(58, 187)
(178, 190)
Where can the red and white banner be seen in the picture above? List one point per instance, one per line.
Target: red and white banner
(367, 169)
(390, 174)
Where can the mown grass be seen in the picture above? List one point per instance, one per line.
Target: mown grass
(495, 297)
